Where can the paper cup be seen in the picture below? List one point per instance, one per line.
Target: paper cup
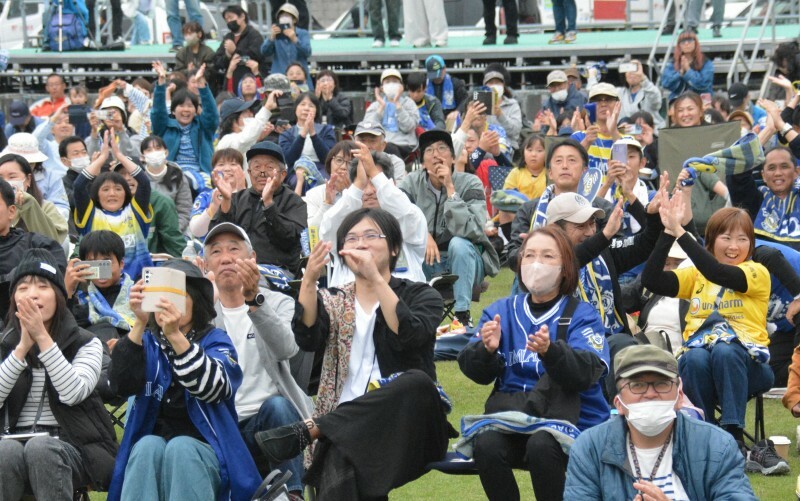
(781, 445)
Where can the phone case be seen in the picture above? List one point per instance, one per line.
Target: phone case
(163, 282)
(619, 152)
(101, 269)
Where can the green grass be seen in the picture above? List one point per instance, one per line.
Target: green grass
(468, 398)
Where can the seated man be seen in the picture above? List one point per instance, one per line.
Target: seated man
(259, 323)
(373, 186)
(455, 209)
(373, 135)
(270, 212)
(672, 456)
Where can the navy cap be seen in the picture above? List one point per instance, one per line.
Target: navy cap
(235, 105)
(434, 67)
(266, 148)
(17, 112)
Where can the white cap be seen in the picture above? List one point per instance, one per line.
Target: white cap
(391, 72)
(572, 208)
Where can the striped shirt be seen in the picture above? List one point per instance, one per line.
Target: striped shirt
(599, 151)
(186, 157)
(204, 377)
(73, 382)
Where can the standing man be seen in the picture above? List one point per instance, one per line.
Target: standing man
(393, 8)
(425, 23)
(175, 23)
(454, 205)
(259, 323)
(241, 39)
(512, 18)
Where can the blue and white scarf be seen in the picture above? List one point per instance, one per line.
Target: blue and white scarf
(389, 121)
(539, 219)
(120, 315)
(596, 288)
(186, 157)
(424, 116)
(779, 219)
(448, 98)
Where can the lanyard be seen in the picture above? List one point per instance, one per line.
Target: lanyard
(658, 459)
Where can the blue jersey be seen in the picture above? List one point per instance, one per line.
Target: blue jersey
(523, 368)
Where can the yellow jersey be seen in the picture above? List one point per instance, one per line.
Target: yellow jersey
(523, 181)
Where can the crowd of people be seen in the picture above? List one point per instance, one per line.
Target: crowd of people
(652, 297)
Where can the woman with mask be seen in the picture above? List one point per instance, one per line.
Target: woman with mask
(308, 137)
(195, 53)
(507, 112)
(724, 359)
(167, 177)
(689, 68)
(321, 198)
(537, 366)
(396, 112)
(34, 213)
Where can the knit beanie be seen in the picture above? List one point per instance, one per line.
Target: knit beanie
(41, 263)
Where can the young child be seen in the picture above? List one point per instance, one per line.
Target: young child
(78, 94)
(431, 115)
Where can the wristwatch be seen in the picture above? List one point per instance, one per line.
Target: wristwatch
(257, 301)
(786, 128)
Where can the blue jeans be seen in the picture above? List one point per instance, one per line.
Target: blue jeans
(183, 468)
(565, 13)
(174, 18)
(726, 375)
(274, 412)
(141, 29)
(461, 259)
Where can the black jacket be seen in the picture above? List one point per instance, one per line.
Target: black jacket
(275, 231)
(249, 45)
(419, 311)
(16, 244)
(86, 426)
(338, 111)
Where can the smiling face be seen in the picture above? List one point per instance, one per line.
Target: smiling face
(687, 113)
(221, 255)
(41, 292)
(295, 73)
(12, 171)
(732, 247)
(566, 168)
(62, 128)
(263, 167)
(111, 196)
(185, 112)
(779, 172)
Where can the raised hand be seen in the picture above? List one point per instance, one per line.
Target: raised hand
(30, 318)
(490, 334)
(247, 269)
(168, 318)
(362, 262)
(379, 98)
(135, 302)
(200, 76)
(158, 67)
(317, 261)
(365, 162)
(539, 342)
(76, 274)
(671, 213)
(614, 222)
(269, 188)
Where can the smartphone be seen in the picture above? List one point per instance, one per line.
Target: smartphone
(619, 152)
(78, 113)
(163, 282)
(101, 269)
(104, 114)
(706, 98)
(244, 60)
(18, 186)
(486, 97)
(628, 67)
(633, 129)
(591, 112)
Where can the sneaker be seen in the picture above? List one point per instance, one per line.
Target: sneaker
(283, 443)
(763, 458)
(465, 318)
(571, 36)
(394, 43)
(557, 38)
(511, 40)
(717, 33)
(175, 48)
(490, 40)
(440, 43)
(377, 44)
(668, 29)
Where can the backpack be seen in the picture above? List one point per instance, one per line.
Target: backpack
(68, 26)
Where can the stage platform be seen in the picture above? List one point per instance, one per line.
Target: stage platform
(359, 65)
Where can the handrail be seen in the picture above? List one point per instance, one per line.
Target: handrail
(754, 54)
(651, 60)
(737, 54)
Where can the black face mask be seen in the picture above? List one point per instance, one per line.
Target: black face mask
(233, 26)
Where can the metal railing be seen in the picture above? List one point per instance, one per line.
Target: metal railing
(738, 55)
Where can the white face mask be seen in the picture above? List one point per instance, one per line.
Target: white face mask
(247, 121)
(650, 418)
(498, 89)
(540, 278)
(79, 163)
(155, 158)
(392, 89)
(559, 95)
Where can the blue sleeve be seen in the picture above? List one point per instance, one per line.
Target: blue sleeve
(671, 79)
(57, 194)
(209, 119)
(730, 482)
(323, 141)
(701, 80)
(586, 333)
(578, 136)
(292, 145)
(303, 44)
(201, 203)
(268, 47)
(583, 471)
(159, 114)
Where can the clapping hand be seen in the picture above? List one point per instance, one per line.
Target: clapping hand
(539, 342)
(317, 260)
(490, 334)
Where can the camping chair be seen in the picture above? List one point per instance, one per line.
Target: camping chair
(443, 284)
(758, 422)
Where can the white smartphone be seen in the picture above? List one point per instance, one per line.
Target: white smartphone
(101, 269)
(18, 186)
(619, 152)
(628, 67)
(163, 282)
(104, 114)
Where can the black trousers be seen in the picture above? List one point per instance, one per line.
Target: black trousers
(497, 453)
(116, 18)
(512, 17)
(781, 347)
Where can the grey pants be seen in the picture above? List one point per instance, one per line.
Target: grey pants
(51, 467)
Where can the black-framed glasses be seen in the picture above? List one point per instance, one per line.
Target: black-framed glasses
(640, 387)
(353, 239)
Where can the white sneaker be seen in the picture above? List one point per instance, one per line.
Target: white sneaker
(394, 43)
(440, 43)
(377, 44)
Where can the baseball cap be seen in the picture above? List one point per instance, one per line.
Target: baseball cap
(644, 358)
(427, 138)
(115, 102)
(233, 106)
(226, 228)
(371, 128)
(741, 114)
(556, 76)
(603, 89)
(573, 208)
(492, 75)
(289, 9)
(17, 112)
(391, 72)
(737, 93)
(630, 141)
(266, 148)
(434, 65)
(572, 72)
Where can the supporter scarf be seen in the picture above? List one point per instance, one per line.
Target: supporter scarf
(595, 287)
(448, 98)
(389, 121)
(540, 216)
(120, 316)
(779, 219)
(424, 116)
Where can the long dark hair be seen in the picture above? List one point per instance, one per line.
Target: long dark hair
(33, 188)
(56, 324)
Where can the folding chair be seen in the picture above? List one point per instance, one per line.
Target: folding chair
(758, 421)
(443, 284)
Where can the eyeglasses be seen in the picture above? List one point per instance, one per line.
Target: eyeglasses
(353, 239)
(338, 161)
(325, 80)
(438, 148)
(264, 172)
(686, 40)
(640, 387)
